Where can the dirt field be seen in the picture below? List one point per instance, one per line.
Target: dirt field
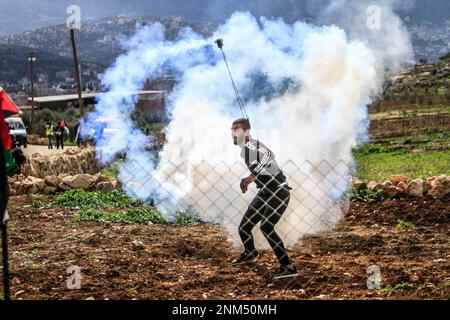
(409, 125)
(193, 262)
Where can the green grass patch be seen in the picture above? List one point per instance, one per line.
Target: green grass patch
(403, 225)
(186, 217)
(367, 194)
(81, 200)
(112, 170)
(138, 215)
(154, 127)
(103, 207)
(373, 148)
(382, 158)
(380, 166)
(69, 143)
(38, 204)
(398, 286)
(439, 137)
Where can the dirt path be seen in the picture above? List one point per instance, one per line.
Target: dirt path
(43, 150)
(193, 262)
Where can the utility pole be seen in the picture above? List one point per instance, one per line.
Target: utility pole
(77, 70)
(32, 60)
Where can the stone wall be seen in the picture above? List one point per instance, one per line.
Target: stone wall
(20, 184)
(37, 140)
(72, 161)
(399, 186)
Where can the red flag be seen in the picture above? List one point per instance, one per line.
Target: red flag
(10, 164)
(8, 106)
(4, 132)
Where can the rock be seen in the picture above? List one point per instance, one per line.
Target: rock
(115, 184)
(428, 184)
(396, 179)
(391, 191)
(32, 138)
(386, 184)
(72, 160)
(19, 188)
(415, 188)
(137, 245)
(98, 178)
(51, 181)
(374, 185)
(359, 185)
(42, 141)
(402, 185)
(79, 181)
(64, 186)
(62, 176)
(440, 187)
(50, 190)
(118, 185)
(31, 185)
(104, 186)
(18, 293)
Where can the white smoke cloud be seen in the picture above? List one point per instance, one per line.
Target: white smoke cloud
(377, 24)
(311, 107)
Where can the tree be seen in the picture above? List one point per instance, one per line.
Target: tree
(445, 57)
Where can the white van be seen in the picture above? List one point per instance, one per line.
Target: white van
(18, 130)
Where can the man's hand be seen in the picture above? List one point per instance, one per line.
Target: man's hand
(245, 182)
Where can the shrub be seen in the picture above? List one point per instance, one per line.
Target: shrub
(79, 199)
(367, 194)
(141, 215)
(403, 225)
(186, 217)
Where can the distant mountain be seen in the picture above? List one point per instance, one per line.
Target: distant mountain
(430, 41)
(424, 78)
(98, 42)
(19, 16)
(14, 63)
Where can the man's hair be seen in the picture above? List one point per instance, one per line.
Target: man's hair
(245, 123)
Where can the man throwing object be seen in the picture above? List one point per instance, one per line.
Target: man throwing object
(270, 202)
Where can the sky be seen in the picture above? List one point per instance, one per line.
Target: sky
(23, 15)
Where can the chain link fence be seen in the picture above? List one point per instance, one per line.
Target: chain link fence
(313, 199)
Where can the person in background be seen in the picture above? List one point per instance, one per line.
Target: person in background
(79, 133)
(59, 135)
(49, 132)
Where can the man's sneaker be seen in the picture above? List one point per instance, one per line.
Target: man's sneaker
(246, 257)
(288, 271)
